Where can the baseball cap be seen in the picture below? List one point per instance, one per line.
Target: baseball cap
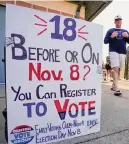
(118, 17)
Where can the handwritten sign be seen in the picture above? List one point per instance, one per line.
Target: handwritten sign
(53, 76)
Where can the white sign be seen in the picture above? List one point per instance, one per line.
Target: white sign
(53, 76)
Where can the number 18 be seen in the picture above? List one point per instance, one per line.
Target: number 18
(72, 28)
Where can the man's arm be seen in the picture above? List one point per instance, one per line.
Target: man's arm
(127, 39)
(107, 37)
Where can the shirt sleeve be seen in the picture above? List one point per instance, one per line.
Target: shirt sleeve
(107, 37)
(127, 39)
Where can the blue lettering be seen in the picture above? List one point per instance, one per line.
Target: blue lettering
(76, 111)
(43, 106)
(90, 111)
(31, 53)
(37, 130)
(29, 110)
(71, 133)
(21, 135)
(61, 135)
(38, 53)
(18, 46)
(38, 106)
(91, 122)
(37, 91)
(37, 139)
(16, 136)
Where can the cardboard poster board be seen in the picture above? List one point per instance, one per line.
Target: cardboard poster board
(53, 76)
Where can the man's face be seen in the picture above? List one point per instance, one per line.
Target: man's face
(118, 23)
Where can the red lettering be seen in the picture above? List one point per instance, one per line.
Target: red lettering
(73, 104)
(43, 74)
(61, 111)
(58, 106)
(91, 108)
(36, 72)
(69, 108)
(48, 77)
(56, 77)
(74, 72)
(90, 105)
(82, 105)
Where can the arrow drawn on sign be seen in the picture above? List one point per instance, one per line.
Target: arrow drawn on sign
(44, 24)
(80, 33)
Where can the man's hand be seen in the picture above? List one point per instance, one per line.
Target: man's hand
(114, 34)
(125, 35)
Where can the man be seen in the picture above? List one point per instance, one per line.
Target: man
(117, 39)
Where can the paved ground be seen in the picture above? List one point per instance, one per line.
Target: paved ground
(114, 119)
